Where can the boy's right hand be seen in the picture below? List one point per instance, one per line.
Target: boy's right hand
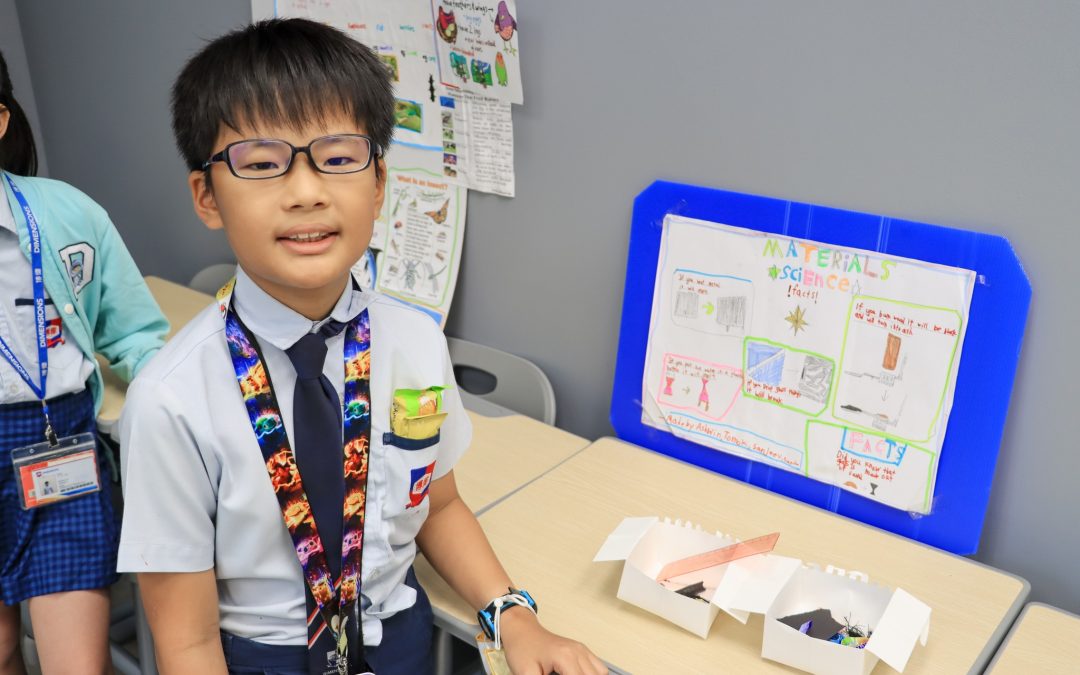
(531, 649)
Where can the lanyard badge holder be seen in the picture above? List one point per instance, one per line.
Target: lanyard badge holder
(49, 473)
(56, 469)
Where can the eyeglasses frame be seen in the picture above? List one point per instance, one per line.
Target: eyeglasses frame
(223, 156)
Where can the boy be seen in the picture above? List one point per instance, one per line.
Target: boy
(268, 413)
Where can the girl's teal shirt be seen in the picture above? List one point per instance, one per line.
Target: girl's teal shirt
(91, 278)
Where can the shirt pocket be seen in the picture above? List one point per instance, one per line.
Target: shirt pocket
(62, 351)
(411, 468)
(410, 444)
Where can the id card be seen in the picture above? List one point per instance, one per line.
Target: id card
(494, 660)
(48, 474)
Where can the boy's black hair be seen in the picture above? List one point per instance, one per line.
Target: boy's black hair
(18, 153)
(284, 72)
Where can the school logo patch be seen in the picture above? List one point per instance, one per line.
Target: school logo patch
(54, 332)
(419, 482)
(79, 260)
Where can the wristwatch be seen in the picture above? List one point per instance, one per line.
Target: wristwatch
(515, 598)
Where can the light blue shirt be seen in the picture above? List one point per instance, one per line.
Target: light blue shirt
(96, 289)
(196, 491)
(68, 367)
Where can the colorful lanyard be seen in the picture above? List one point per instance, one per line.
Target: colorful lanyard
(38, 276)
(266, 421)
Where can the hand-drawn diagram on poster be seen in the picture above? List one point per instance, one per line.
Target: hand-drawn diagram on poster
(478, 47)
(836, 363)
(426, 223)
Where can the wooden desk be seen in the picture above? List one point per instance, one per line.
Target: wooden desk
(506, 454)
(547, 534)
(1044, 639)
(508, 451)
(179, 304)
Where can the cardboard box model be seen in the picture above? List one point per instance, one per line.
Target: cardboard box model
(647, 544)
(773, 585)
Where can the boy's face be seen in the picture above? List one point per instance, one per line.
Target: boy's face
(265, 220)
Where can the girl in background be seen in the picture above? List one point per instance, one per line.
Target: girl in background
(68, 289)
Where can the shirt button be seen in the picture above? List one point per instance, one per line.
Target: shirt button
(69, 308)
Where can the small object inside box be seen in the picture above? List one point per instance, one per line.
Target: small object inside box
(822, 624)
(852, 635)
(694, 590)
(856, 642)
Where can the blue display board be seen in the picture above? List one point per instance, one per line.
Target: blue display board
(991, 348)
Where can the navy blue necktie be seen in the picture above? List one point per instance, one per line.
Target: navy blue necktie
(317, 447)
(317, 443)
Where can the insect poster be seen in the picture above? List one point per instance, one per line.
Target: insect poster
(422, 227)
(836, 363)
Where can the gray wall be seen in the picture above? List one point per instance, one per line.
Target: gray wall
(102, 75)
(11, 44)
(960, 112)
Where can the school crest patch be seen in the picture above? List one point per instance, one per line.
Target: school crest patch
(419, 482)
(79, 260)
(54, 333)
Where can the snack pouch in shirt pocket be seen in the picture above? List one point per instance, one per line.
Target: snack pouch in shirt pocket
(415, 418)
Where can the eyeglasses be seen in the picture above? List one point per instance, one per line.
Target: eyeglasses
(262, 158)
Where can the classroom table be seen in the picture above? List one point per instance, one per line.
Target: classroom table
(179, 304)
(1044, 639)
(507, 452)
(547, 533)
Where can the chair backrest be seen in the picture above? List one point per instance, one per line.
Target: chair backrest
(209, 279)
(520, 385)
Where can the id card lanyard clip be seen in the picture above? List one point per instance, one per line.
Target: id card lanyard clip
(38, 278)
(50, 434)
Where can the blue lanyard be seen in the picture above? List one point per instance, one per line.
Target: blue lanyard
(38, 276)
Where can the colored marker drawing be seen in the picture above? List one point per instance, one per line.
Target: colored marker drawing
(742, 442)
(764, 363)
(873, 465)
(791, 378)
(712, 303)
(710, 389)
(895, 367)
(846, 359)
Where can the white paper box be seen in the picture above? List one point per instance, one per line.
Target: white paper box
(773, 585)
(647, 544)
(896, 618)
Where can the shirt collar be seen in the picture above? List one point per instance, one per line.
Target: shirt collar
(280, 326)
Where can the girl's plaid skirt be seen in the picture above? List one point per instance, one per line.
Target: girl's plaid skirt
(68, 546)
